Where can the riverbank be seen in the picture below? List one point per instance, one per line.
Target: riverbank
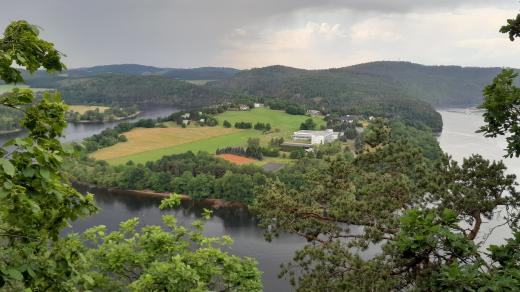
(213, 203)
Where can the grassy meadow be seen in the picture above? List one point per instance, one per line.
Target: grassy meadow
(151, 144)
(81, 109)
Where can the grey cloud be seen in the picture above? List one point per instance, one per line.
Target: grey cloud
(185, 33)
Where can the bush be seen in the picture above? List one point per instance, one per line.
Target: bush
(243, 125)
(270, 152)
(297, 154)
(227, 124)
(309, 124)
(295, 110)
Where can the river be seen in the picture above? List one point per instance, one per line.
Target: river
(458, 139)
(77, 132)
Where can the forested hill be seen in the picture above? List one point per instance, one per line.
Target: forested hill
(203, 73)
(141, 90)
(355, 92)
(440, 86)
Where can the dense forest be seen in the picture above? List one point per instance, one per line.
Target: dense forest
(111, 89)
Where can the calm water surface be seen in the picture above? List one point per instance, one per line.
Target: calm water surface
(76, 132)
(460, 140)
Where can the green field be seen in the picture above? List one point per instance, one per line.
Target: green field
(282, 124)
(8, 87)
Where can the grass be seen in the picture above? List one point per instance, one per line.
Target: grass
(8, 87)
(81, 109)
(151, 144)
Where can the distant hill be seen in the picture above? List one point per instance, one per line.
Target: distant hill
(129, 90)
(203, 73)
(440, 86)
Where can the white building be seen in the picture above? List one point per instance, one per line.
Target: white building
(316, 137)
(258, 105)
(314, 112)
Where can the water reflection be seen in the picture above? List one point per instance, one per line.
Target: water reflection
(77, 132)
(117, 206)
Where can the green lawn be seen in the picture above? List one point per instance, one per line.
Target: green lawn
(283, 125)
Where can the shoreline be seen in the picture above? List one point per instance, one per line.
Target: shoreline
(213, 203)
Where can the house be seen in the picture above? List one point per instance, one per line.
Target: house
(258, 105)
(185, 122)
(316, 137)
(349, 118)
(244, 107)
(313, 112)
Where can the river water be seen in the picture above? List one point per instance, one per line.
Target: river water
(77, 132)
(458, 139)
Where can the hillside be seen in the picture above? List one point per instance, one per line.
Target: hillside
(334, 89)
(441, 86)
(203, 73)
(140, 90)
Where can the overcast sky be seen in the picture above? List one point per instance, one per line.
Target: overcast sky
(247, 33)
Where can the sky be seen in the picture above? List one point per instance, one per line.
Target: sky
(244, 34)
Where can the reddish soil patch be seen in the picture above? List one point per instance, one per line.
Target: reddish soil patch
(236, 159)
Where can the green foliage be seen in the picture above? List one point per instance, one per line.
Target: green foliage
(502, 99)
(37, 201)
(254, 149)
(425, 215)
(309, 124)
(196, 175)
(170, 258)
(512, 28)
(21, 45)
(226, 124)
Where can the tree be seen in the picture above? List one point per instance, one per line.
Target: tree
(227, 124)
(309, 124)
(502, 103)
(254, 149)
(512, 28)
(37, 201)
(350, 133)
(426, 218)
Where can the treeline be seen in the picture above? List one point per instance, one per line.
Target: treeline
(198, 175)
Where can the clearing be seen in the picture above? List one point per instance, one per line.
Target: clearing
(81, 109)
(236, 159)
(148, 143)
(151, 144)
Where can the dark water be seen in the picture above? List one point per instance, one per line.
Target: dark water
(238, 223)
(76, 132)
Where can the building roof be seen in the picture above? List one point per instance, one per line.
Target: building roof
(349, 117)
(315, 133)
